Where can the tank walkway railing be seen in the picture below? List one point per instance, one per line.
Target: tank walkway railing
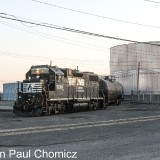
(143, 97)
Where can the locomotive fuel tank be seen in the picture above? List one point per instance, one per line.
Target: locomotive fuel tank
(112, 90)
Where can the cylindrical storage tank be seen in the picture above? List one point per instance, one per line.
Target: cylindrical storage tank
(136, 66)
(112, 90)
(10, 91)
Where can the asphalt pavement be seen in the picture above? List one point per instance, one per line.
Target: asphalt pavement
(6, 105)
(128, 131)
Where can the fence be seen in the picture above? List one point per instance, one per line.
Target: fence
(143, 97)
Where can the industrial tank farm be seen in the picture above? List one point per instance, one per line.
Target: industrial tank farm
(53, 90)
(137, 67)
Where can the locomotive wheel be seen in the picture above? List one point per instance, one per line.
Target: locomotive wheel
(94, 107)
(105, 106)
(90, 107)
(118, 102)
(62, 109)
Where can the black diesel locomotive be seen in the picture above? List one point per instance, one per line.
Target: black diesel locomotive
(52, 90)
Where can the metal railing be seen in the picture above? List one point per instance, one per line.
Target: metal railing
(143, 97)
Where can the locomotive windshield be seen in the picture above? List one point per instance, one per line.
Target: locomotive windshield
(39, 73)
(39, 76)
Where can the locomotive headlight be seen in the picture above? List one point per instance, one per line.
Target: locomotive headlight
(37, 71)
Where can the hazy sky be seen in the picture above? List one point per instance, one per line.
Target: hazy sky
(23, 45)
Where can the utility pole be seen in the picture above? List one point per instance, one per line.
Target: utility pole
(138, 78)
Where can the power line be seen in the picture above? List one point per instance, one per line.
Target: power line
(118, 50)
(32, 57)
(58, 38)
(42, 24)
(50, 34)
(130, 61)
(95, 15)
(66, 29)
(152, 1)
(50, 37)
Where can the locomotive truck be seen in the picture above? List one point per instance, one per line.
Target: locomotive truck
(50, 90)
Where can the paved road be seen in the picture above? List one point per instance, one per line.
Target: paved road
(6, 105)
(121, 132)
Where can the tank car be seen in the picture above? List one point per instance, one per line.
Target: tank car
(112, 90)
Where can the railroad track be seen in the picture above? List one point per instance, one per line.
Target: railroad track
(52, 128)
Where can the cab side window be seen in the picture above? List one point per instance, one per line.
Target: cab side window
(59, 78)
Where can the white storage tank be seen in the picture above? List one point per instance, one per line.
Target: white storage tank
(137, 66)
(10, 91)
